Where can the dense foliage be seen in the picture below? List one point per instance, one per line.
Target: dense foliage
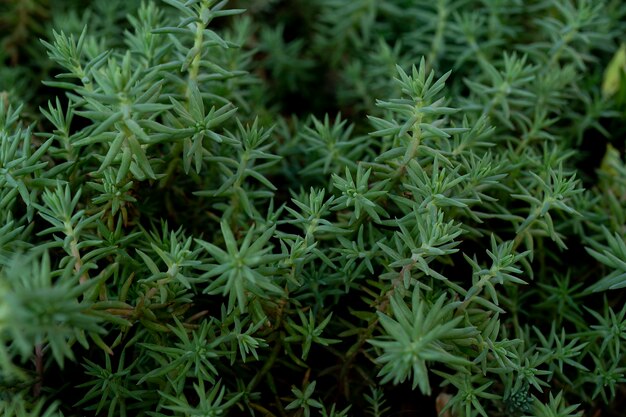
(312, 207)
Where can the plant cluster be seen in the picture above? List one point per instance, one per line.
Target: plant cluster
(312, 207)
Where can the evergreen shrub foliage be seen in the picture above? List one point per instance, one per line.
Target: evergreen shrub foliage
(312, 207)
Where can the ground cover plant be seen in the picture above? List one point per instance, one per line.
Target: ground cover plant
(312, 207)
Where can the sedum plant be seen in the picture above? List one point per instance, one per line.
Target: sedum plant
(297, 208)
